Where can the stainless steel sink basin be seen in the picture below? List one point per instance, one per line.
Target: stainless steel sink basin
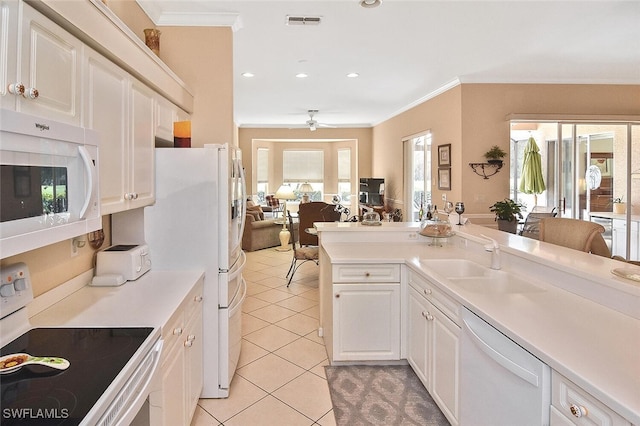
(453, 268)
(497, 282)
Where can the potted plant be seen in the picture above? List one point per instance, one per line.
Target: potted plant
(495, 155)
(619, 206)
(507, 212)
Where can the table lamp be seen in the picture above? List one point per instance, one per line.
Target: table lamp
(305, 188)
(284, 193)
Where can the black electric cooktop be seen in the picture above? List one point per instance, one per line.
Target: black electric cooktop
(38, 395)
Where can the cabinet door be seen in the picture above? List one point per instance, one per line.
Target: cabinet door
(106, 110)
(366, 321)
(142, 146)
(194, 359)
(49, 62)
(173, 407)
(8, 49)
(165, 116)
(445, 366)
(419, 336)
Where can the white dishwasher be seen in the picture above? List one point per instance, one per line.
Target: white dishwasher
(500, 382)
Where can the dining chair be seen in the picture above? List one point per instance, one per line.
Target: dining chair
(575, 234)
(531, 226)
(301, 254)
(315, 211)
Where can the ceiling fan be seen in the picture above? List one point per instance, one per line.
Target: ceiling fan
(313, 124)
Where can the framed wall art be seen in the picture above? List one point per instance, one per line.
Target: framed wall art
(444, 178)
(444, 155)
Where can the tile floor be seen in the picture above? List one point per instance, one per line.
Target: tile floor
(280, 378)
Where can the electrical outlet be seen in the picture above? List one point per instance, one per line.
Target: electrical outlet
(413, 236)
(444, 197)
(74, 247)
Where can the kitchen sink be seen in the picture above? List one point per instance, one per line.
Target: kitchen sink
(473, 277)
(455, 268)
(496, 282)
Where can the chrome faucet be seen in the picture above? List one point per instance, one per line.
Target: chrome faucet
(494, 249)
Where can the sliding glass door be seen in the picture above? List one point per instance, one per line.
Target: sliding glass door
(592, 174)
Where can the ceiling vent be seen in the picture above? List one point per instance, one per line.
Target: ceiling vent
(303, 20)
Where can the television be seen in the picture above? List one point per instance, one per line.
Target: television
(371, 191)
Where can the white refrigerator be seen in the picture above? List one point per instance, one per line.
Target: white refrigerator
(197, 222)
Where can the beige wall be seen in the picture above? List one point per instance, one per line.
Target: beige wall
(473, 117)
(363, 137)
(203, 58)
(441, 117)
(132, 15)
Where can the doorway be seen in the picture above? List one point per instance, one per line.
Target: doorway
(592, 173)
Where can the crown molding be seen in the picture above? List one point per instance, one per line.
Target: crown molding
(161, 17)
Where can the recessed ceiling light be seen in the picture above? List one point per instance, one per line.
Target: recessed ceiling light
(370, 3)
(247, 74)
(353, 75)
(302, 75)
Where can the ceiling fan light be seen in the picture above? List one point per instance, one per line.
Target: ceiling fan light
(370, 3)
(353, 75)
(312, 127)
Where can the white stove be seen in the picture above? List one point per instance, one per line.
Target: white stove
(111, 371)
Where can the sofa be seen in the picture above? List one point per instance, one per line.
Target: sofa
(260, 233)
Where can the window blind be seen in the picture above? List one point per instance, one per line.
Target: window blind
(262, 172)
(301, 166)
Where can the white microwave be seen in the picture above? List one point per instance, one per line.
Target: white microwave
(48, 182)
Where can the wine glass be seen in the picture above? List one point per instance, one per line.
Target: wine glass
(459, 210)
(448, 207)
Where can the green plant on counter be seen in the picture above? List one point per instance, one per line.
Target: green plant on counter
(507, 210)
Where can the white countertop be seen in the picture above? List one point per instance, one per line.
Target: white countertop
(147, 302)
(596, 347)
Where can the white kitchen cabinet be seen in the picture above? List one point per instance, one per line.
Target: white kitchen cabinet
(433, 344)
(572, 405)
(106, 110)
(181, 364)
(42, 66)
(9, 49)
(619, 239)
(142, 144)
(366, 312)
(166, 113)
(121, 109)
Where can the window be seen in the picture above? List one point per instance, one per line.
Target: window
(417, 151)
(262, 173)
(344, 175)
(304, 166)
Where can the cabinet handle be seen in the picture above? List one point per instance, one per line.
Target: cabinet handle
(427, 291)
(366, 274)
(188, 343)
(16, 89)
(197, 299)
(337, 295)
(427, 316)
(578, 410)
(177, 331)
(191, 338)
(31, 93)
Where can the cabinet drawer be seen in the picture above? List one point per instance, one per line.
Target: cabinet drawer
(579, 406)
(371, 273)
(432, 293)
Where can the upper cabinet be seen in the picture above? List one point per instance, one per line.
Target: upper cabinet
(41, 72)
(121, 109)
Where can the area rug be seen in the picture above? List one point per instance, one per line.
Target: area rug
(381, 395)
